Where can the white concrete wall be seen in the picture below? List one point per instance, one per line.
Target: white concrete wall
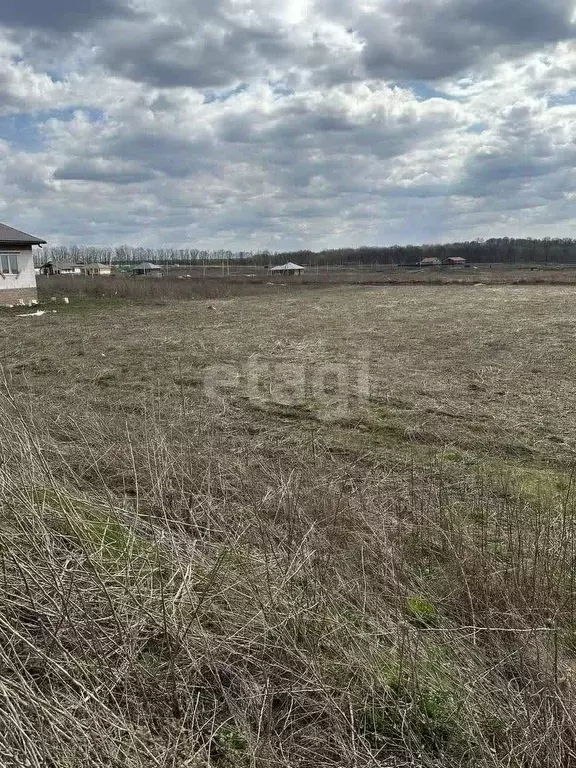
(26, 277)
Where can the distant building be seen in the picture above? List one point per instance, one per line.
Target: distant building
(147, 268)
(96, 268)
(61, 268)
(430, 261)
(454, 261)
(17, 277)
(288, 269)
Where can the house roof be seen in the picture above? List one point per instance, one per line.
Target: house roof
(430, 260)
(146, 265)
(455, 258)
(11, 236)
(285, 267)
(55, 264)
(95, 265)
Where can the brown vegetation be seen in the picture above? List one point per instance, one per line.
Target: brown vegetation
(260, 578)
(215, 282)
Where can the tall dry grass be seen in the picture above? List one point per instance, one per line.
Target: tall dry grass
(146, 289)
(173, 595)
(191, 283)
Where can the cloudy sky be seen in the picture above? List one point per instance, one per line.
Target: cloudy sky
(251, 124)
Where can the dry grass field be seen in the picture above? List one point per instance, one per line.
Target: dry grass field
(192, 282)
(298, 529)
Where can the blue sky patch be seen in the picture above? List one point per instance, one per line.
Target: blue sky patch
(423, 91)
(562, 99)
(22, 130)
(56, 77)
(212, 96)
(280, 88)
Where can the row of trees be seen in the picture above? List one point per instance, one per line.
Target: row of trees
(126, 254)
(504, 250)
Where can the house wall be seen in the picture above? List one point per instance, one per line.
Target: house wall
(22, 286)
(88, 271)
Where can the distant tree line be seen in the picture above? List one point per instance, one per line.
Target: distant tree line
(502, 250)
(126, 254)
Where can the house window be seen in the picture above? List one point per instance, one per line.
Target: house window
(9, 263)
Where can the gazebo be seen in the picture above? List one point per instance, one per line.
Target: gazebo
(288, 269)
(147, 268)
(430, 261)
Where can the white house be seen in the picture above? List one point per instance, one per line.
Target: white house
(17, 277)
(61, 267)
(96, 268)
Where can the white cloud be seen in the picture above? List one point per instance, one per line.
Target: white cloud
(250, 124)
